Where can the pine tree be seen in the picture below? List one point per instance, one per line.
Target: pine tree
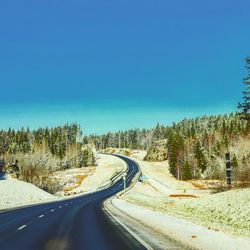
(244, 106)
(158, 132)
(200, 156)
(186, 171)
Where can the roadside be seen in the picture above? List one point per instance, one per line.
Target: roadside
(16, 193)
(137, 226)
(88, 179)
(204, 217)
(162, 231)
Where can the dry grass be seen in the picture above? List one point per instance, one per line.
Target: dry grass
(68, 189)
(207, 184)
(78, 179)
(182, 196)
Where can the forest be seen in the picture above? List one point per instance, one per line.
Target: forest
(194, 147)
(33, 155)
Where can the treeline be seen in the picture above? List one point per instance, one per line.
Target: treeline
(132, 138)
(33, 155)
(195, 147)
(60, 141)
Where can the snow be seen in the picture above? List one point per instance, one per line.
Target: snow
(15, 193)
(88, 179)
(107, 167)
(183, 231)
(158, 173)
(227, 212)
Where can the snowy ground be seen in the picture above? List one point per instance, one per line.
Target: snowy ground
(15, 193)
(107, 167)
(225, 213)
(82, 180)
(190, 235)
(228, 211)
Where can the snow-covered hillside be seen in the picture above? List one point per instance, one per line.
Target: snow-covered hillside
(16, 193)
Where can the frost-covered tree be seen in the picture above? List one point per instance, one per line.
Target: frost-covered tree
(244, 106)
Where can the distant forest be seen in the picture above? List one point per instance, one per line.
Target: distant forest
(33, 155)
(58, 141)
(192, 145)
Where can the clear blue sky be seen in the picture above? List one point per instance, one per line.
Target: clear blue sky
(116, 64)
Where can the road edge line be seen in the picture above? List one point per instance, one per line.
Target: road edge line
(139, 239)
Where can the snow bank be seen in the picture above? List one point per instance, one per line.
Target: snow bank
(227, 211)
(107, 167)
(16, 193)
(183, 231)
(88, 179)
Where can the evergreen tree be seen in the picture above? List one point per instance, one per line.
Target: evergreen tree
(200, 156)
(186, 172)
(244, 106)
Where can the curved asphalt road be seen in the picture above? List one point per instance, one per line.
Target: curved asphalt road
(2, 176)
(75, 223)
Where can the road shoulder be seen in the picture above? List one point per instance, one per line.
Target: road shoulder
(160, 230)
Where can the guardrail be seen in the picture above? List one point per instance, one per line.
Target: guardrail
(133, 181)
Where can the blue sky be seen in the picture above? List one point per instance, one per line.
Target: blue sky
(116, 64)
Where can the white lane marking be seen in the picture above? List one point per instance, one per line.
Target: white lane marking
(40, 216)
(66, 204)
(60, 206)
(22, 227)
(52, 210)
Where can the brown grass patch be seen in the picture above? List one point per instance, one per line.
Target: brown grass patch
(169, 203)
(78, 181)
(198, 185)
(68, 189)
(182, 196)
(80, 177)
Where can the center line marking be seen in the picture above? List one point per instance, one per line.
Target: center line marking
(52, 210)
(40, 216)
(23, 226)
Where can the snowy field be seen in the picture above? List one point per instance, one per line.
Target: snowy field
(15, 193)
(187, 233)
(87, 179)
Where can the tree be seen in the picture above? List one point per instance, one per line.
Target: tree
(244, 106)
(158, 132)
(200, 156)
(186, 174)
(175, 153)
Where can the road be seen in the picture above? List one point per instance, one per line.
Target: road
(75, 223)
(2, 176)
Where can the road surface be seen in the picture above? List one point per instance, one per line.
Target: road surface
(75, 223)
(2, 176)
